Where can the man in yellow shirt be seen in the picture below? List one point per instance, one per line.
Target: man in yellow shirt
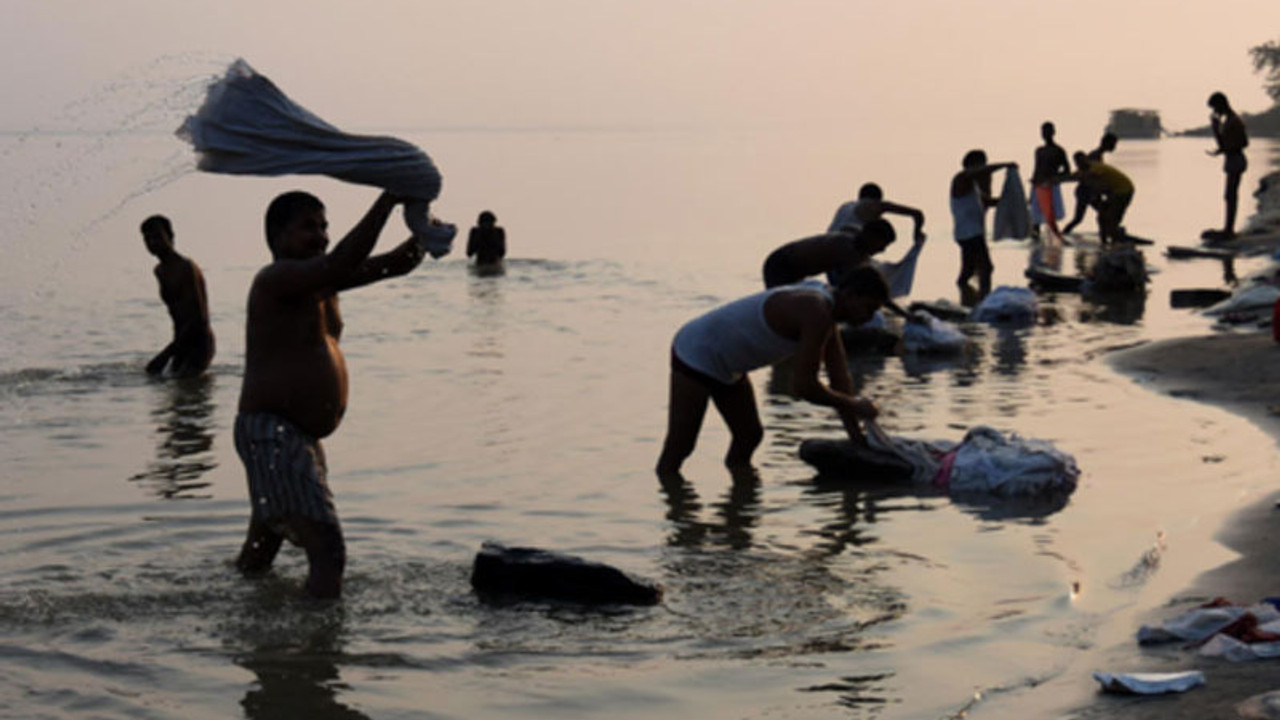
(1114, 191)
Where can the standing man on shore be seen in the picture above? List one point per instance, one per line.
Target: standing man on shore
(1230, 135)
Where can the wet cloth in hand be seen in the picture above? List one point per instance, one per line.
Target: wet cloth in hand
(247, 126)
(1012, 219)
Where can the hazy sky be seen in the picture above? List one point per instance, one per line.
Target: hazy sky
(875, 66)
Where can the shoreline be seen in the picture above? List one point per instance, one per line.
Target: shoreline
(1239, 373)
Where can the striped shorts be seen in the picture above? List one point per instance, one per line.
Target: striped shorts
(286, 470)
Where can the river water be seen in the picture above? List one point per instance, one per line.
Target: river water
(528, 407)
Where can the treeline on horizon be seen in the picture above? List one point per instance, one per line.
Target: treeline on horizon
(1266, 60)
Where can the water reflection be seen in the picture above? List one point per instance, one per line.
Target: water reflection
(1125, 308)
(1009, 347)
(184, 427)
(296, 669)
(857, 506)
(737, 513)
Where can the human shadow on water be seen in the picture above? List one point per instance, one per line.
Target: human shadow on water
(184, 428)
(738, 513)
(293, 655)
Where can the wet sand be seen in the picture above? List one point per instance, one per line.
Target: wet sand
(1240, 373)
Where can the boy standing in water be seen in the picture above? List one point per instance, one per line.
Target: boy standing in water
(712, 354)
(1051, 161)
(295, 379)
(183, 292)
(970, 198)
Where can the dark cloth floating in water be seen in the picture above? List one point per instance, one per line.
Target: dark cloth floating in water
(531, 573)
(866, 464)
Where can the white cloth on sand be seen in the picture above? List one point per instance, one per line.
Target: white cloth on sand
(1149, 683)
(247, 126)
(1253, 298)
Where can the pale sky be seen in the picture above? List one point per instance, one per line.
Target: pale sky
(874, 66)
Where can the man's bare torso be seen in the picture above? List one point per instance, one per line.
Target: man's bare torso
(293, 365)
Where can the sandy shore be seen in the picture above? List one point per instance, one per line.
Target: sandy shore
(1240, 373)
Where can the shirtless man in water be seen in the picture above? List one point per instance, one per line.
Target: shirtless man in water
(295, 379)
(182, 290)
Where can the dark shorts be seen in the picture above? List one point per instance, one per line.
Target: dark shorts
(975, 257)
(286, 468)
(1113, 207)
(1235, 163)
(710, 384)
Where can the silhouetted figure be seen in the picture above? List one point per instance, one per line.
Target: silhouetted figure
(183, 292)
(871, 205)
(1229, 133)
(487, 242)
(295, 378)
(712, 354)
(1051, 163)
(834, 253)
(1113, 190)
(970, 198)
(1085, 198)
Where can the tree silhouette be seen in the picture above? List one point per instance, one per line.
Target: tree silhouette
(1266, 57)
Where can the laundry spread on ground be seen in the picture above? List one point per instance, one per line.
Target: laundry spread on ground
(1223, 629)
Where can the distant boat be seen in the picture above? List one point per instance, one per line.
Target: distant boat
(1134, 123)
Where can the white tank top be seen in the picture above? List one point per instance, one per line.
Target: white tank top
(734, 339)
(968, 216)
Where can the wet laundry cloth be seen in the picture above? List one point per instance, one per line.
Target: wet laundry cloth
(902, 274)
(247, 126)
(1012, 220)
(927, 334)
(1007, 304)
(1223, 629)
(1047, 196)
(986, 461)
(1257, 297)
(1149, 683)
